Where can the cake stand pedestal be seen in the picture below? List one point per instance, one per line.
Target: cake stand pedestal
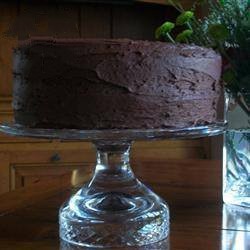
(114, 209)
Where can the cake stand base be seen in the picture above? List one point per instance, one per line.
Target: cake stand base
(114, 209)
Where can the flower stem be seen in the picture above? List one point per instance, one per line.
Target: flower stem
(170, 38)
(243, 106)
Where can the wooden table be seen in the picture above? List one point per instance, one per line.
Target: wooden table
(192, 188)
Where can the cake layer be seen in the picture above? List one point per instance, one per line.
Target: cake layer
(104, 84)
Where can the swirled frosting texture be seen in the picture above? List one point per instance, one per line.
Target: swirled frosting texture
(106, 84)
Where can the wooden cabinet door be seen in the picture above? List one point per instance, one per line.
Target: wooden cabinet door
(24, 164)
(27, 175)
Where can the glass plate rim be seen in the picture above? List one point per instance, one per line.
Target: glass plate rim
(14, 129)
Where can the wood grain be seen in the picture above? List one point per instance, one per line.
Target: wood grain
(31, 161)
(194, 225)
(25, 175)
(137, 22)
(181, 181)
(8, 14)
(38, 19)
(6, 111)
(27, 196)
(4, 172)
(24, 163)
(96, 21)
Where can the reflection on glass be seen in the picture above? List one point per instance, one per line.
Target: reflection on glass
(236, 228)
(162, 245)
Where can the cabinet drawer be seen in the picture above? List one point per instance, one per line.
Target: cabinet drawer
(24, 175)
(23, 164)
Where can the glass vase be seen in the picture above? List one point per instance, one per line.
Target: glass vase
(236, 227)
(236, 152)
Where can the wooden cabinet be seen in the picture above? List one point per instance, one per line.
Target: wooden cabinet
(25, 175)
(25, 163)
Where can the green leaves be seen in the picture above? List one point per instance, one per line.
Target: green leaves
(164, 30)
(229, 76)
(246, 21)
(167, 27)
(184, 17)
(225, 28)
(184, 36)
(218, 32)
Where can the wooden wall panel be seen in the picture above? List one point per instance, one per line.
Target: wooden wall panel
(169, 149)
(28, 175)
(137, 22)
(8, 13)
(6, 113)
(26, 163)
(4, 172)
(96, 21)
(48, 20)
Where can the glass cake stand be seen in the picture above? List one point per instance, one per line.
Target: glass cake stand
(114, 209)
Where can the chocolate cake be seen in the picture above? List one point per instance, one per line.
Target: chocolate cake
(111, 84)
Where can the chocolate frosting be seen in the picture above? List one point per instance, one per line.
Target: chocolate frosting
(104, 84)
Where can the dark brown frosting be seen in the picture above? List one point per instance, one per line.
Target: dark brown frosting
(101, 84)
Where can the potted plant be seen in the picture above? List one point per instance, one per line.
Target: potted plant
(225, 28)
